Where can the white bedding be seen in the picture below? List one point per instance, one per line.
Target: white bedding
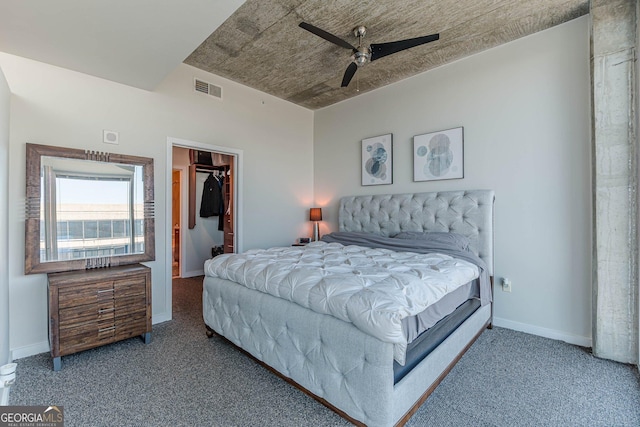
(372, 288)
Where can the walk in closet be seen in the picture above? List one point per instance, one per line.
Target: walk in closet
(207, 226)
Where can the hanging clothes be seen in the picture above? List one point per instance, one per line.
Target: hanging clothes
(212, 202)
(220, 180)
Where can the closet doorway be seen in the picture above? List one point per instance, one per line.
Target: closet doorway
(191, 260)
(207, 208)
(176, 194)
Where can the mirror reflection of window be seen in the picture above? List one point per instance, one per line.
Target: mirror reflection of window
(94, 209)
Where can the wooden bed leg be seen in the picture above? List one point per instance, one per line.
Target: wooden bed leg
(210, 332)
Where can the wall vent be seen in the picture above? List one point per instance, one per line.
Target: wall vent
(207, 88)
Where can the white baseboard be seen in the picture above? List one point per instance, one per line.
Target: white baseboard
(30, 350)
(159, 318)
(543, 332)
(193, 273)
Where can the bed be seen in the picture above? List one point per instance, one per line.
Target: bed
(344, 340)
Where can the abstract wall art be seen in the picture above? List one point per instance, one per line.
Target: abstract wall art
(438, 155)
(377, 160)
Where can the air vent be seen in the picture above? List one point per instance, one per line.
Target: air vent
(207, 88)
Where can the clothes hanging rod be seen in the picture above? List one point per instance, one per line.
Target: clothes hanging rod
(207, 168)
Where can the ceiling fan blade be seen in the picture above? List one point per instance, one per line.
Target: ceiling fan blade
(348, 75)
(383, 49)
(327, 36)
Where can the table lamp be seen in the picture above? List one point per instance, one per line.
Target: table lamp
(315, 215)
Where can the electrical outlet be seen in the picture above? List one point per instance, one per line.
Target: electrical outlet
(506, 284)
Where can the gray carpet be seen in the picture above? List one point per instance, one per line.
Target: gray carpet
(182, 378)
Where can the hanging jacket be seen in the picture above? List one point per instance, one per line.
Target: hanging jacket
(212, 203)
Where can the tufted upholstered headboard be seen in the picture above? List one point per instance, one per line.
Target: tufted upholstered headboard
(469, 213)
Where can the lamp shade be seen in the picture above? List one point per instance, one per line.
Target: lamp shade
(315, 214)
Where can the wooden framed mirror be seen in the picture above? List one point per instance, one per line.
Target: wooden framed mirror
(87, 209)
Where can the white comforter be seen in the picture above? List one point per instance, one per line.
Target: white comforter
(372, 288)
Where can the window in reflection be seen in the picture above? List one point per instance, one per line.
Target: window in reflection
(91, 215)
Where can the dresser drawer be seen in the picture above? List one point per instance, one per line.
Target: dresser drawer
(130, 287)
(126, 306)
(130, 327)
(87, 313)
(85, 294)
(86, 335)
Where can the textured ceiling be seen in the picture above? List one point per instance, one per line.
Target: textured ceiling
(261, 45)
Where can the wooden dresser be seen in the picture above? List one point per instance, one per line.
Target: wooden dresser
(90, 308)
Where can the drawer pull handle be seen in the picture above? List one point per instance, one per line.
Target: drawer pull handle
(105, 310)
(106, 329)
(102, 291)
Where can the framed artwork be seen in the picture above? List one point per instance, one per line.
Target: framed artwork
(377, 160)
(438, 155)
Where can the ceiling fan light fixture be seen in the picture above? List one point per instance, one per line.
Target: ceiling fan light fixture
(366, 53)
(361, 57)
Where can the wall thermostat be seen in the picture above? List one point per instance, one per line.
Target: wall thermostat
(110, 137)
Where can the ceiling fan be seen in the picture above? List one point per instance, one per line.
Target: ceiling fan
(364, 54)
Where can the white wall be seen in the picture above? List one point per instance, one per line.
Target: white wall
(55, 106)
(5, 98)
(525, 111)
